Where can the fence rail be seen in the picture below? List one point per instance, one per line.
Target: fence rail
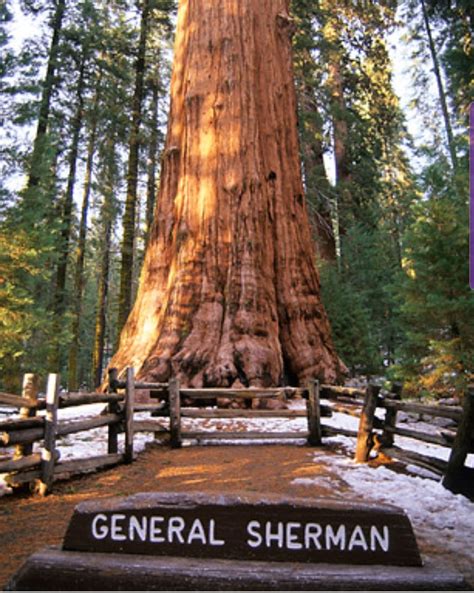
(40, 468)
(38, 423)
(456, 476)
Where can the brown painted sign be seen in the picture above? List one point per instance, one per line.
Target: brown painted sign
(206, 526)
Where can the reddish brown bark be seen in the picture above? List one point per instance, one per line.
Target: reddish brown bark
(229, 291)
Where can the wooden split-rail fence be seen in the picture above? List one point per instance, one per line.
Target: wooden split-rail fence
(378, 435)
(38, 423)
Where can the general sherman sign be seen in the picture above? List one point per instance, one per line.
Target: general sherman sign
(206, 526)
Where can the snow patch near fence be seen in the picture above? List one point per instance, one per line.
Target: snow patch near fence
(437, 515)
(94, 442)
(87, 444)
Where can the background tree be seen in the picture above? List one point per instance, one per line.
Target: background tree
(437, 355)
(351, 126)
(389, 214)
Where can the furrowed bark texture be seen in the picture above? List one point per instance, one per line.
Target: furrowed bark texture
(229, 291)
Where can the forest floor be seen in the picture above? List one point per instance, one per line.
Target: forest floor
(28, 523)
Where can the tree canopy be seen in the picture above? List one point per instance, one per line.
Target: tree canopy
(84, 103)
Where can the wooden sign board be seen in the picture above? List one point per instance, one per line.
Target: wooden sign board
(244, 528)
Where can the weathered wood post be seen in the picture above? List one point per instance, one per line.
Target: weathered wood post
(30, 393)
(366, 424)
(314, 414)
(391, 415)
(48, 454)
(129, 407)
(462, 443)
(175, 414)
(113, 408)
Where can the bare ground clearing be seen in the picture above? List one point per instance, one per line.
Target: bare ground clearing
(28, 524)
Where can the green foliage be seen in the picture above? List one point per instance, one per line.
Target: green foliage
(397, 295)
(23, 318)
(435, 300)
(360, 300)
(454, 21)
(350, 322)
(101, 38)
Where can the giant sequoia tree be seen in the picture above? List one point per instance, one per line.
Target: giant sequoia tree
(229, 291)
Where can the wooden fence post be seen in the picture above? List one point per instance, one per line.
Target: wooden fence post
(314, 414)
(175, 413)
(391, 416)
(462, 444)
(366, 424)
(48, 454)
(129, 407)
(113, 408)
(29, 392)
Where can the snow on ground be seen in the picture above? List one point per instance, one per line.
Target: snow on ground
(88, 443)
(437, 515)
(93, 442)
(435, 512)
(442, 521)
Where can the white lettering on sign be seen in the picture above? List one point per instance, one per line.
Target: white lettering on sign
(252, 529)
(155, 530)
(336, 539)
(292, 542)
(100, 531)
(116, 530)
(358, 539)
(271, 536)
(176, 526)
(197, 532)
(212, 536)
(312, 533)
(140, 529)
(298, 536)
(290, 535)
(382, 540)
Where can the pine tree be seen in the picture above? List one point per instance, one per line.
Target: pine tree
(7, 67)
(129, 219)
(436, 302)
(79, 272)
(37, 163)
(353, 114)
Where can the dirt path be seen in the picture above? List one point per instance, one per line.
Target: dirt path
(28, 524)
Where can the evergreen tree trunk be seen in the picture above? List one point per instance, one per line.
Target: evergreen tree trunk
(317, 184)
(229, 291)
(36, 164)
(340, 132)
(66, 218)
(126, 272)
(107, 217)
(152, 156)
(81, 247)
(441, 92)
(102, 298)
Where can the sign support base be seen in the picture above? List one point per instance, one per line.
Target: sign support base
(79, 571)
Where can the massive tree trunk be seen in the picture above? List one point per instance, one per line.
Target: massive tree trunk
(229, 291)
